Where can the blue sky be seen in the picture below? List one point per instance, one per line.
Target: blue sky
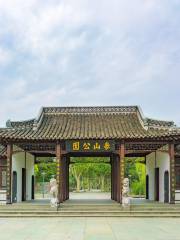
(68, 53)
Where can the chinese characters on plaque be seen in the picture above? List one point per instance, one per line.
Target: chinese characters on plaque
(90, 145)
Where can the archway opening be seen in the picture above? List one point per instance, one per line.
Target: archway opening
(44, 169)
(135, 171)
(90, 178)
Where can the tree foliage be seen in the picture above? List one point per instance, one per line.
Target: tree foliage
(136, 172)
(89, 176)
(87, 173)
(48, 168)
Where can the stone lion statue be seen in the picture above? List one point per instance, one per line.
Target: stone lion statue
(53, 192)
(125, 193)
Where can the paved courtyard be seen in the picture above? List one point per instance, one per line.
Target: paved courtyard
(89, 229)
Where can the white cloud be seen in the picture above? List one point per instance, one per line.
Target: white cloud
(88, 52)
(5, 56)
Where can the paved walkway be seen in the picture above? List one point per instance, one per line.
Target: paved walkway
(90, 195)
(90, 229)
(89, 198)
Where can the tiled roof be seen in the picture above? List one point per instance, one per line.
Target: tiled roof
(20, 124)
(158, 123)
(2, 151)
(60, 123)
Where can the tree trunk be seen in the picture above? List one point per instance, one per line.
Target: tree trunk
(102, 183)
(78, 184)
(89, 187)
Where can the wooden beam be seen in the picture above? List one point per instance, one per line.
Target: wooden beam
(146, 142)
(42, 152)
(172, 173)
(138, 151)
(89, 162)
(9, 173)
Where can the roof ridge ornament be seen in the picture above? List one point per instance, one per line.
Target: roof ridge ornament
(20, 124)
(160, 124)
(8, 123)
(89, 109)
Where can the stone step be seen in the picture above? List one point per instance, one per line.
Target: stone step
(163, 206)
(118, 205)
(89, 215)
(83, 207)
(88, 211)
(90, 208)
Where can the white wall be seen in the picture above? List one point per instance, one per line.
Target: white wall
(163, 163)
(150, 165)
(18, 162)
(177, 196)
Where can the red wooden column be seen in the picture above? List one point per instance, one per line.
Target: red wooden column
(115, 177)
(67, 178)
(64, 179)
(112, 187)
(68, 163)
(122, 167)
(118, 184)
(172, 173)
(59, 172)
(9, 173)
(112, 180)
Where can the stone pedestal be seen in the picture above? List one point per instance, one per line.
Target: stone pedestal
(125, 193)
(3, 198)
(53, 192)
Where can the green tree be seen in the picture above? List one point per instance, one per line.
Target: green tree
(91, 175)
(48, 168)
(135, 170)
(103, 171)
(77, 170)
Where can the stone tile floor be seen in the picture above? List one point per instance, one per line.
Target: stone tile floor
(88, 198)
(89, 229)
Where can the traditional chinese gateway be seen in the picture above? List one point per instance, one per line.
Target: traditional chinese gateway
(116, 132)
